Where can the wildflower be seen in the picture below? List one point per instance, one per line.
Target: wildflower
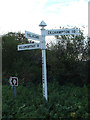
(79, 106)
(22, 106)
(72, 114)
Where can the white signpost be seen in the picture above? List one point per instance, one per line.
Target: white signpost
(41, 45)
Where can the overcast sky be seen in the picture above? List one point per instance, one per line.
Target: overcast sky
(21, 15)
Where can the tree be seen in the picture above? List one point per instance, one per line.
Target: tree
(64, 63)
(68, 65)
(24, 64)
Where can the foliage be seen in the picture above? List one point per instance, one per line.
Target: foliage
(23, 64)
(67, 79)
(67, 60)
(66, 101)
(63, 64)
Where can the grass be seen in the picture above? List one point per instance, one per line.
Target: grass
(66, 101)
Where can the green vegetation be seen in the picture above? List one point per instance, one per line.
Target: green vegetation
(66, 101)
(63, 65)
(67, 75)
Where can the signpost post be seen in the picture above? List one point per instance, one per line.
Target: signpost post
(41, 45)
(44, 72)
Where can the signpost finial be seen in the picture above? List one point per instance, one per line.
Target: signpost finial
(42, 24)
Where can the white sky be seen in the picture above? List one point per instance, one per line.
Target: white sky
(21, 15)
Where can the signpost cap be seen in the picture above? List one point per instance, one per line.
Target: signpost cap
(42, 24)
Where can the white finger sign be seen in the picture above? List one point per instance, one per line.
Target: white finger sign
(33, 36)
(29, 46)
(62, 32)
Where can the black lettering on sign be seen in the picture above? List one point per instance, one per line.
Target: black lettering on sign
(20, 47)
(61, 32)
(24, 46)
(28, 35)
(67, 31)
(73, 31)
(43, 82)
(54, 32)
(37, 45)
(32, 35)
(48, 32)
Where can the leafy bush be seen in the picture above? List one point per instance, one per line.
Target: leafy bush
(66, 101)
(63, 64)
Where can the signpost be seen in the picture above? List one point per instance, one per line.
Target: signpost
(41, 45)
(13, 82)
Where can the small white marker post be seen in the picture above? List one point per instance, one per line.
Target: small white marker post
(44, 72)
(13, 82)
